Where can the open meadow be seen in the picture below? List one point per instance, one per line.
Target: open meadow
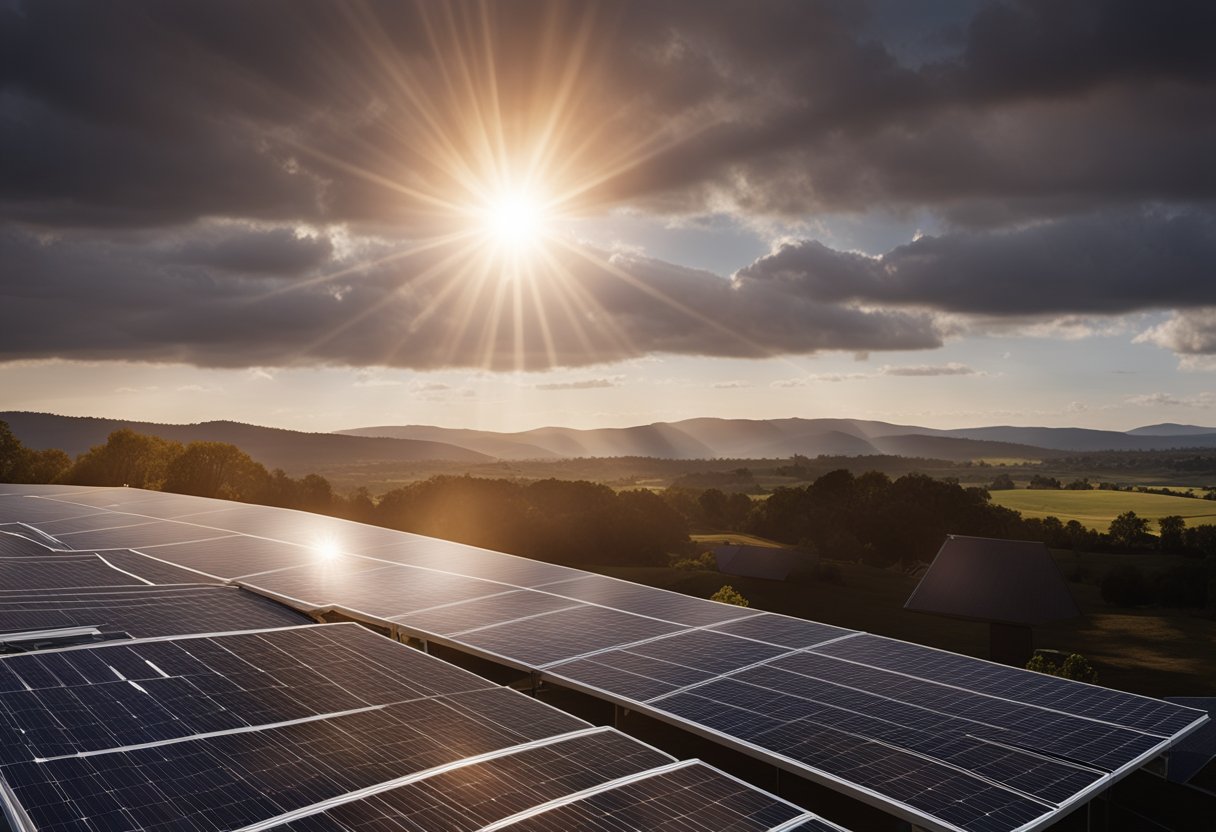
(1096, 509)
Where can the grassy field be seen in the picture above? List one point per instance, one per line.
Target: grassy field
(1096, 509)
(1155, 652)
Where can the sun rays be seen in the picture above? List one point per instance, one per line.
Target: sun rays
(488, 142)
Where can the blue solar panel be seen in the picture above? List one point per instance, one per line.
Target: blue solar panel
(940, 739)
(1140, 712)
(644, 600)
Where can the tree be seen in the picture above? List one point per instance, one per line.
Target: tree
(728, 595)
(216, 469)
(1173, 533)
(1075, 667)
(1002, 482)
(127, 458)
(1128, 530)
(21, 464)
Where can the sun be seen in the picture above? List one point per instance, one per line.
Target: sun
(515, 220)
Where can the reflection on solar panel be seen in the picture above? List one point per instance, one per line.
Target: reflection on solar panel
(285, 726)
(948, 742)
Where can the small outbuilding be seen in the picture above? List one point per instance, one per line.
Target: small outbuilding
(769, 562)
(1012, 585)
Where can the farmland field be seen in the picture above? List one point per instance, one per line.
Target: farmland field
(1096, 509)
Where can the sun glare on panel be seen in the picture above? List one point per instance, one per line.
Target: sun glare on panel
(327, 549)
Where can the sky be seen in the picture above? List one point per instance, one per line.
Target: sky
(324, 215)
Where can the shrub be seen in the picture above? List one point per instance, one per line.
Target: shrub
(1182, 586)
(1075, 667)
(728, 595)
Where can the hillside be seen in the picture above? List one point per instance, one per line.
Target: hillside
(293, 451)
(709, 438)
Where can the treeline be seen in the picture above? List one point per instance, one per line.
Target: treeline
(577, 523)
(870, 517)
(875, 519)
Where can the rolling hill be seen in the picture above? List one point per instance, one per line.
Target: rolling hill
(709, 438)
(293, 451)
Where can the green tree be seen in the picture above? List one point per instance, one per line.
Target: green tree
(216, 469)
(12, 455)
(1002, 482)
(1173, 533)
(1128, 530)
(127, 458)
(1075, 667)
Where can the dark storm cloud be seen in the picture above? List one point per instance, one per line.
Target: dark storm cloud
(1102, 263)
(101, 299)
(144, 113)
(156, 159)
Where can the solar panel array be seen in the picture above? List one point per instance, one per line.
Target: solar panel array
(235, 715)
(947, 741)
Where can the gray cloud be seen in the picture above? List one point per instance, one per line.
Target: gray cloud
(127, 298)
(157, 113)
(156, 158)
(1104, 263)
(1189, 332)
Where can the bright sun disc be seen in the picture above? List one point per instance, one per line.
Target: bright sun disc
(515, 220)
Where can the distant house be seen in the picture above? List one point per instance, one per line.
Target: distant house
(767, 562)
(1012, 585)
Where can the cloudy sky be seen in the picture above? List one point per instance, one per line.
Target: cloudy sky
(322, 215)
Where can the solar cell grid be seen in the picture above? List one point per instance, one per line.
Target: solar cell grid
(946, 738)
(460, 559)
(782, 630)
(13, 545)
(379, 589)
(503, 606)
(91, 522)
(147, 611)
(644, 600)
(690, 798)
(1013, 723)
(154, 570)
(227, 556)
(55, 571)
(469, 797)
(21, 509)
(136, 536)
(562, 635)
(924, 785)
(227, 781)
(1051, 692)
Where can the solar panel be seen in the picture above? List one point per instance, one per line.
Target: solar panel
(308, 727)
(942, 740)
(146, 611)
(51, 571)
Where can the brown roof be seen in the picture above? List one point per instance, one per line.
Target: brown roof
(1008, 581)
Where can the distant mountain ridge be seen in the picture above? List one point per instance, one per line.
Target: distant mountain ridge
(294, 451)
(779, 438)
(299, 452)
